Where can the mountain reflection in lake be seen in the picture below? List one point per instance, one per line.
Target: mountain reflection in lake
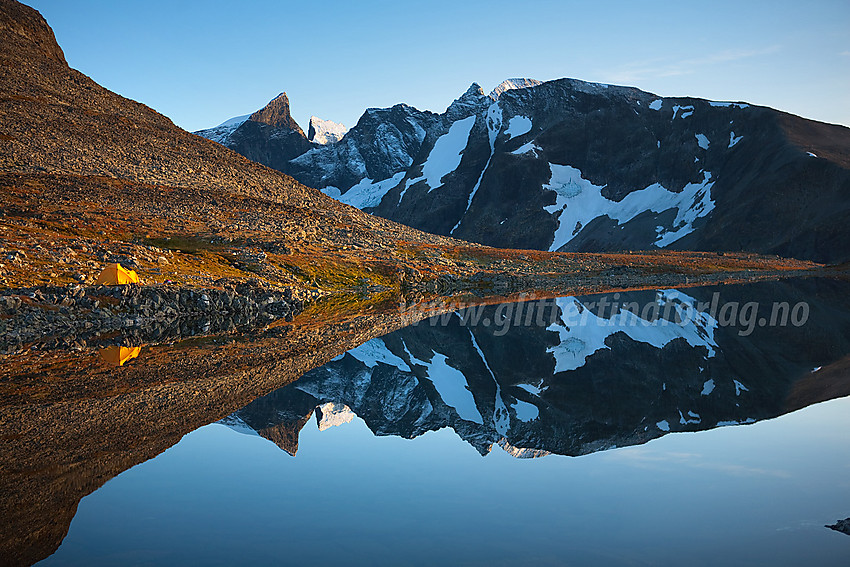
(591, 377)
(583, 378)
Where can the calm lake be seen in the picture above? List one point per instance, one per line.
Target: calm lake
(704, 426)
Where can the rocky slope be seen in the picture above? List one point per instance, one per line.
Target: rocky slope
(570, 165)
(88, 175)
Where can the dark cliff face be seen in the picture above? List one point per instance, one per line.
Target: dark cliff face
(573, 389)
(567, 165)
(383, 143)
(269, 145)
(576, 166)
(269, 136)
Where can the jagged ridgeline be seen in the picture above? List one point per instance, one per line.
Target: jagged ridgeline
(576, 166)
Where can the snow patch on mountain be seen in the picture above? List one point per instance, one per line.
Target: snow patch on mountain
(525, 411)
(332, 415)
(452, 387)
(494, 125)
(693, 418)
(238, 425)
(692, 202)
(534, 389)
(733, 139)
(235, 121)
(446, 154)
(528, 147)
(366, 193)
(501, 418)
(517, 126)
(728, 104)
(578, 202)
(702, 141)
(221, 133)
(735, 422)
(656, 104)
(583, 333)
(686, 111)
(372, 352)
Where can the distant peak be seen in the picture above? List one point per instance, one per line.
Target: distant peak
(276, 113)
(468, 101)
(474, 90)
(511, 84)
(325, 131)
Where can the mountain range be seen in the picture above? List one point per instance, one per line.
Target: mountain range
(88, 176)
(576, 166)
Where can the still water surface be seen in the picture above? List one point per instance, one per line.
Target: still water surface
(746, 495)
(640, 444)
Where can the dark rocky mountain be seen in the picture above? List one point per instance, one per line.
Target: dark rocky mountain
(276, 113)
(566, 386)
(269, 136)
(575, 166)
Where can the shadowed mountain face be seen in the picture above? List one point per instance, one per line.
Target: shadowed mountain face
(576, 166)
(582, 376)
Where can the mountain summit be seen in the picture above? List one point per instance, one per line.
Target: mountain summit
(276, 113)
(325, 131)
(511, 84)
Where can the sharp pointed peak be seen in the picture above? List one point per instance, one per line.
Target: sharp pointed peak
(474, 89)
(276, 113)
(467, 102)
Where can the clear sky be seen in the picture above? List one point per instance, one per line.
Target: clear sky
(202, 61)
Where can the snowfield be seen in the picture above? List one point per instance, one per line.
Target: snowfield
(365, 194)
(446, 154)
(578, 202)
(517, 126)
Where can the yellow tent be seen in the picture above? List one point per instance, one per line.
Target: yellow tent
(118, 355)
(116, 274)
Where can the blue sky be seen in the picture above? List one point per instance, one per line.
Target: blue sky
(201, 62)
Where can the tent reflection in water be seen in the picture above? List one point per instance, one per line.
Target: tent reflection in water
(118, 355)
(116, 274)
